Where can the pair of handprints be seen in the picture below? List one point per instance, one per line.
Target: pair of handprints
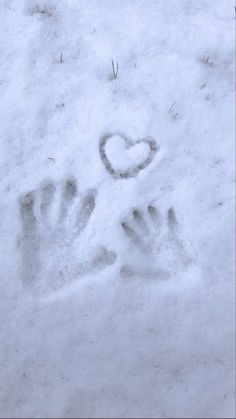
(55, 218)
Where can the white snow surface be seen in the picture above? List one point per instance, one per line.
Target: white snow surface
(125, 158)
(117, 292)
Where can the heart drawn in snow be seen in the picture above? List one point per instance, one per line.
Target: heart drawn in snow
(124, 158)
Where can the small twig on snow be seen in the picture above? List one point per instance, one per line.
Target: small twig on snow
(173, 104)
(115, 71)
(46, 10)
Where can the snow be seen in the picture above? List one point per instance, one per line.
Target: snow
(117, 208)
(125, 158)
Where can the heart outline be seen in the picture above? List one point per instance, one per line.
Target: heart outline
(153, 149)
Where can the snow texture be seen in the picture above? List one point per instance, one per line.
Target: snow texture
(117, 208)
